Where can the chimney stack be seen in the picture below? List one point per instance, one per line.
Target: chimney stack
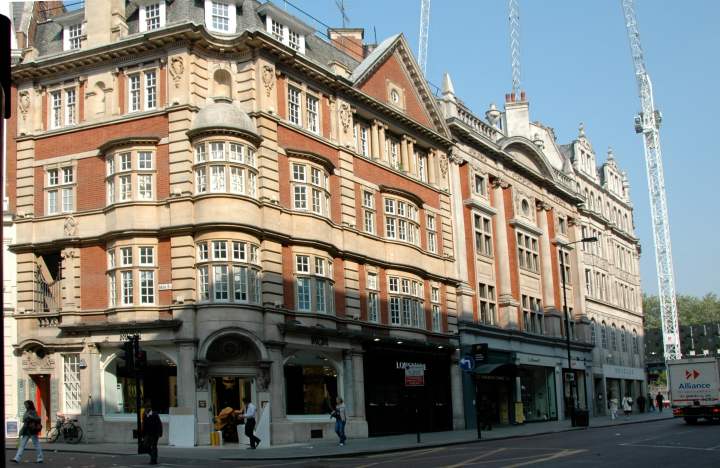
(349, 40)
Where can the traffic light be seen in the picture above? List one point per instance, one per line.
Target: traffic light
(141, 358)
(128, 354)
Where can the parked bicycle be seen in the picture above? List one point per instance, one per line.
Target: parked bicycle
(69, 428)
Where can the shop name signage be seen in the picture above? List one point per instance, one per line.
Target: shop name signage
(405, 365)
(319, 340)
(619, 372)
(415, 375)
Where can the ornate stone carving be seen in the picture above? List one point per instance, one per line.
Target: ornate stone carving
(177, 66)
(496, 182)
(38, 360)
(201, 375)
(45, 322)
(263, 379)
(443, 165)
(268, 79)
(71, 227)
(24, 103)
(345, 116)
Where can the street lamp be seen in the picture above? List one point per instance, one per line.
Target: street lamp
(573, 384)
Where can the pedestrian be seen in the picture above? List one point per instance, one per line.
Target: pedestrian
(340, 416)
(627, 405)
(641, 403)
(152, 430)
(651, 403)
(32, 425)
(659, 400)
(250, 415)
(613, 407)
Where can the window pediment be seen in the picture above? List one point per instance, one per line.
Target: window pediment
(148, 140)
(323, 161)
(402, 193)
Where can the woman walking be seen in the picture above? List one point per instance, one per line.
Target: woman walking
(340, 416)
(613, 408)
(30, 429)
(627, 405)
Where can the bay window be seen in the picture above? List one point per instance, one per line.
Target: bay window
(130, 168)
(132, 281)
(230, 168)
(401, 221)
(231, 274)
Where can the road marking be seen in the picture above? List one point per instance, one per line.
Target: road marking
(276, 464)
(472, 460)
(671, 447)
(564, 453)
(408, 455)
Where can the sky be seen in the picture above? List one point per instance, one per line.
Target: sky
(576, 67)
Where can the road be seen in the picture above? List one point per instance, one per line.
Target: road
(664, 443)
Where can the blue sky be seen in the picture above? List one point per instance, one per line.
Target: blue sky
(576, 67)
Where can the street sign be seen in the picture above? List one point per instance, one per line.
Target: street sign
(467, 363)
(480, 353)
(414, 376)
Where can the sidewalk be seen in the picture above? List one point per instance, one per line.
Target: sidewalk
(354, 447)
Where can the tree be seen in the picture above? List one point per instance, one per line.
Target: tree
(691, 310)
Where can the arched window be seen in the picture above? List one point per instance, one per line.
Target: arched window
(635, 343)
(159, 385)
(603, 335)
(593, 337)
(613, 338)
(623, 339)
(599, 204)
(311, 383)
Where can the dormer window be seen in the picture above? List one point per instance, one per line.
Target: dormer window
(277, 30)
(282, 33)
(74, 34)
(151, 15)
(220, 16)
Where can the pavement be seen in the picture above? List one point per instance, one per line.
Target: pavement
(328, 448)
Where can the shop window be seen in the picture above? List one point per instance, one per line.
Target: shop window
(159, 385)
(533, 317)
(537, 386)
(231, 274)
(313, 284)
(401, 221)
(310, 385)
(225, 167)
(406, 302)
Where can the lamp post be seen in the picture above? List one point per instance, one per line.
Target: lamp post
(570, 401)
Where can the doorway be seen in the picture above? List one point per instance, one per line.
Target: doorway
(41, 398)
(228, 393)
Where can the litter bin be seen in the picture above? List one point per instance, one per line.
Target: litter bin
(581, 418)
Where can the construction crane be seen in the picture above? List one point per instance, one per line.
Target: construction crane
(514, 19)
(648, 124)
(424, 28)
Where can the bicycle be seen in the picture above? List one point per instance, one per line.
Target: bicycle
(71, 431)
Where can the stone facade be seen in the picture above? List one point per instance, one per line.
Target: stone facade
(283, 219)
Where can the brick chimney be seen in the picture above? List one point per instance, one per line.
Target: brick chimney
(349, 40)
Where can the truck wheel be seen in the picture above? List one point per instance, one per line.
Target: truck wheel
(690, 420)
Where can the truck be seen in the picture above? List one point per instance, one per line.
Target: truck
(694, 388)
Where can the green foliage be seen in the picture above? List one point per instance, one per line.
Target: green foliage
(691, 310)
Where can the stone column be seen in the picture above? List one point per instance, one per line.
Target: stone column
(432, 171)
(506, 302)
(412, 162)
(358, 384)
(348, 392)
(185, 374)
(375, 140)
(578, 276)
(465, 291)
(546, 257)
(381, 143)
(456, 393)
(404, 154)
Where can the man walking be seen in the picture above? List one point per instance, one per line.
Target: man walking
(641, 403)
(651, 403)
(659, 400)
(250, 415)
(152, 431)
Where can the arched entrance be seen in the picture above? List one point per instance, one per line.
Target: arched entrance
(233, 371)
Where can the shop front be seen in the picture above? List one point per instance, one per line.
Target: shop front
(537, 389)
(392, 407)
(621, 381)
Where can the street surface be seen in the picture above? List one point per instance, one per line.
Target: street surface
(665, 443)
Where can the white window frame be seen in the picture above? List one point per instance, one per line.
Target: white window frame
(368, 208)
(72, 401)
(294, 103)
(72, 36)
(487, 304)
(528, 252)
(482, 227)
(373, 297)
(59, 189)
(312, 108)
(431, 227)
(143, 15)
(232, 16)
